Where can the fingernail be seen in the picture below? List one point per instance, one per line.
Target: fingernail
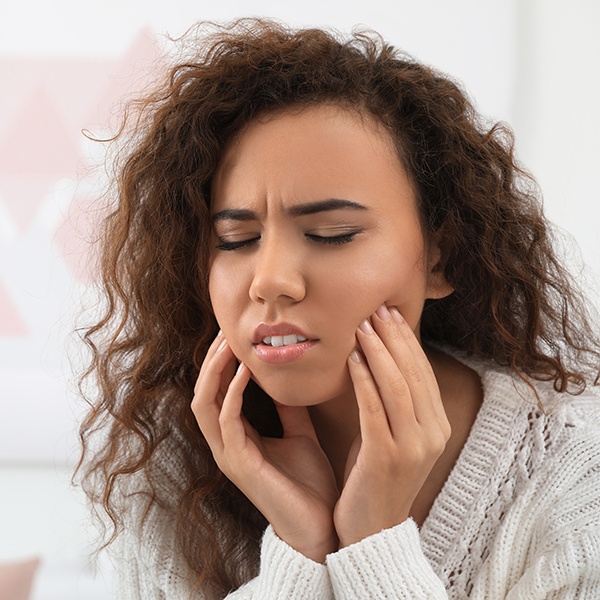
(365, 327)
(383, 313)
(355, 356)
(222, 345)
(396, 315)
(220, 334)
(240, 368)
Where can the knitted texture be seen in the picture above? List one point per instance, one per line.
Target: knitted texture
(518, 518)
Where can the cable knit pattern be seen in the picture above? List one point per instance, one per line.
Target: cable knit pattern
(518, 518)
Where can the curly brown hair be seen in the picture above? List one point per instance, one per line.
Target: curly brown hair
(513, 301)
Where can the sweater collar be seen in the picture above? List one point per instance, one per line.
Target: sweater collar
(484, 461)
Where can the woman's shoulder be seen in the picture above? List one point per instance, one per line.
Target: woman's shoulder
(146, 550)
(559, 431)
(146, 499)
(529, 416)
(503, 385)
(576, 419)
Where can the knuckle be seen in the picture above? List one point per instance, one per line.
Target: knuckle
(437, 443)
(223, 420)
(223, 464)
(446, 430)
(425, 451)
(426, 368)
(373, 406)
(414, 373)
(376, 346)
(391, 331)
(398, 386)
(196, 405)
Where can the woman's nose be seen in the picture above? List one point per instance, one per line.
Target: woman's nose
(278, 273)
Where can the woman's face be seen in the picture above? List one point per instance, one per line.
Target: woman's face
(315, 225)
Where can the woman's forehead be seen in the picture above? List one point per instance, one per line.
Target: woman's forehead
(319, 149)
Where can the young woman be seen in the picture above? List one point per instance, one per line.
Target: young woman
(340, 358)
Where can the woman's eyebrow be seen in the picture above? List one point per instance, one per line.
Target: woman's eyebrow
(310, 208)
(307, 208)
(234, 214)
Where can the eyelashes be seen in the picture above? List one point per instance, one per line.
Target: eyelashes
(344, 238)
(224, 245)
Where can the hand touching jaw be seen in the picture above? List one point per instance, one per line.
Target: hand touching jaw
(403, 431)
(309, 237)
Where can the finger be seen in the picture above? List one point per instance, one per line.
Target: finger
(372, 414)
(215, 347)
(233, 427)
(215, 344)
(205, 404)
(215, 368)
(399, 339)
(228, 374)
(393, 388)
(433, 406)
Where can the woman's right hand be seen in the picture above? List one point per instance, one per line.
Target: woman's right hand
(289, 480)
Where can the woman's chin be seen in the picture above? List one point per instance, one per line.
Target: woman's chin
(309, 392)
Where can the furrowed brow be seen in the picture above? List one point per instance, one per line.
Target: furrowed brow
(307, 208)
(310, 208)
(234, 214)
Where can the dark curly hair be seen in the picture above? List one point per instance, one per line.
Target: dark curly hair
(513, 301)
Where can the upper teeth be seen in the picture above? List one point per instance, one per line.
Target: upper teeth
(283, 340)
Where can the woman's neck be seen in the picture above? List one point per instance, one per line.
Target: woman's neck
(336, 425)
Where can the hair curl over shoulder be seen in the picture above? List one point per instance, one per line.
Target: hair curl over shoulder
(513, 301)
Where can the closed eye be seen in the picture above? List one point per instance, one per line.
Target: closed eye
(225, 245)
(343, 238)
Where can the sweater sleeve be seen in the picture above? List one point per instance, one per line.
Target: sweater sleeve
(389, 564)
(285, 573)
(149, 568)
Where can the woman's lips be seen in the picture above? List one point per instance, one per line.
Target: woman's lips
(280, 355)
(278, 350)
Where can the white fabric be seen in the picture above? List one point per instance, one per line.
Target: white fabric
(518, 518)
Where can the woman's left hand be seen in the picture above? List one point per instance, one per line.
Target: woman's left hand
(403, 425)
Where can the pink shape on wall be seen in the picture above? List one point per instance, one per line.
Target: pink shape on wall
(38, 142)
(35, 151)
(75, 237)
(41, 141)
(11, 322)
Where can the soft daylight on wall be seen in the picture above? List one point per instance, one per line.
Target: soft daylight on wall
(66, 68)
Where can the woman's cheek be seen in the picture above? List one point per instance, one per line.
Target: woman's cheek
(225, 315)
(230, 332)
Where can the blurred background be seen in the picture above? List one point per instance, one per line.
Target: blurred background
(66, 65)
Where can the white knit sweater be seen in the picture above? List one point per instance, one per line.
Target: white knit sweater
(518, 518)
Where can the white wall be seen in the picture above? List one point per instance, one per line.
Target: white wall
(556, 114)
(533, 63)
(63, 66)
